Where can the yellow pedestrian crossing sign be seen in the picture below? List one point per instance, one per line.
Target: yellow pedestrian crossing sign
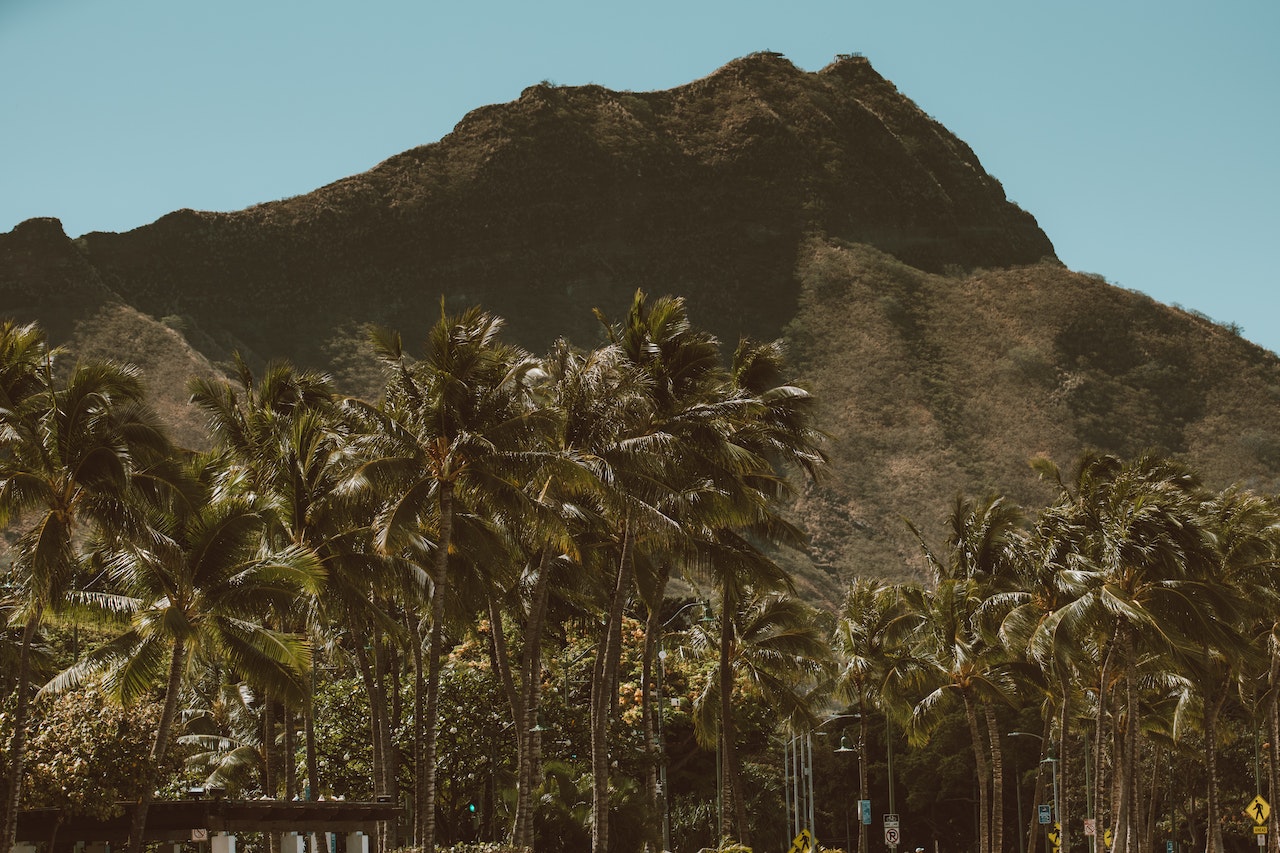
(803, 843)
(1258, 809)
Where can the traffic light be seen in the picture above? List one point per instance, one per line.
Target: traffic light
(471, 807)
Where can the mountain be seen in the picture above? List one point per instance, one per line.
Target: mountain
(947, 342)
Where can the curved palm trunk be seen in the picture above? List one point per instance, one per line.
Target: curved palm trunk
(984, 774)
(18, 743)
(604, 697)
(427, 774)
(997, 782)
(138, 826)
(732, 804)
(377, 705)
(1213, 822)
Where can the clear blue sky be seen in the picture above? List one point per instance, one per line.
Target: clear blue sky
(1142, 135)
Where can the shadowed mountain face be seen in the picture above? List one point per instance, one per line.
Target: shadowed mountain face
(929, 311)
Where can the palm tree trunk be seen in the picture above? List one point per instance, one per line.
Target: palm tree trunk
(863, 780)
(530, 755)
(652, 634)
(18, 742)
(732, 802)
(436, 651)
(289, 753)
(269, 782)
(604, 696)
(419, 711)
(1213, 820)
(997, 782)
(984, 774)
(309, 735)
(138, 826)
(1273, 748)
(377, 707)
(1124, 814)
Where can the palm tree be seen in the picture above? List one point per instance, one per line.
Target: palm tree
(1142, 578)
(76, 456)
(193, 586)
(778, 649)
(960, 644)
(280, 437)
(450, 436)
(874, 632)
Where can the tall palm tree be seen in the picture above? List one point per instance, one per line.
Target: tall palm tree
(1143, 576)
(450, 437)
(874, 632)
(281, 438)
(775, 648)
(194, 585)
(960, 642)
(75, 457)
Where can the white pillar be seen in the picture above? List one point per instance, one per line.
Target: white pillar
(223, 843)
(292, 842)
(357, 842)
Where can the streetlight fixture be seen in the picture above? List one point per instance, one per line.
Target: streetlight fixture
(1030, 827)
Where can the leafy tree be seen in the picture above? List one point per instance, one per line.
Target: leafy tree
(189, 588)
(89, 754)
(74, 457)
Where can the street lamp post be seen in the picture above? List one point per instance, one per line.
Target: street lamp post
(1053, 766)
(1030, 827)
(663, 798)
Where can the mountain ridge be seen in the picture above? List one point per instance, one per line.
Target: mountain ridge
(945, 340)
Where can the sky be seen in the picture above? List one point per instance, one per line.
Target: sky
(1143, 136)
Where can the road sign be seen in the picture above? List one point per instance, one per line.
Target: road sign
(1090, 826)
(1046, 814)
(1259, 830)
(891, 836)
(803, 842)
(865, 807)
(1258, 809)
(1053, 837)
(1168, 847)
(1106, 838)
(891, 820)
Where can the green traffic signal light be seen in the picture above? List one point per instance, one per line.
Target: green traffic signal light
(471, 807)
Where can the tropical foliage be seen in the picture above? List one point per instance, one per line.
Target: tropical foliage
(537, 602)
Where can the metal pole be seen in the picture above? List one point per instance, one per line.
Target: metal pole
(1017, 779)
(888, 731)
(662, 758)
(1088, 798)
(809, 746)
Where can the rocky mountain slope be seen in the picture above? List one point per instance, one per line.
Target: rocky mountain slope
(928, 311)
